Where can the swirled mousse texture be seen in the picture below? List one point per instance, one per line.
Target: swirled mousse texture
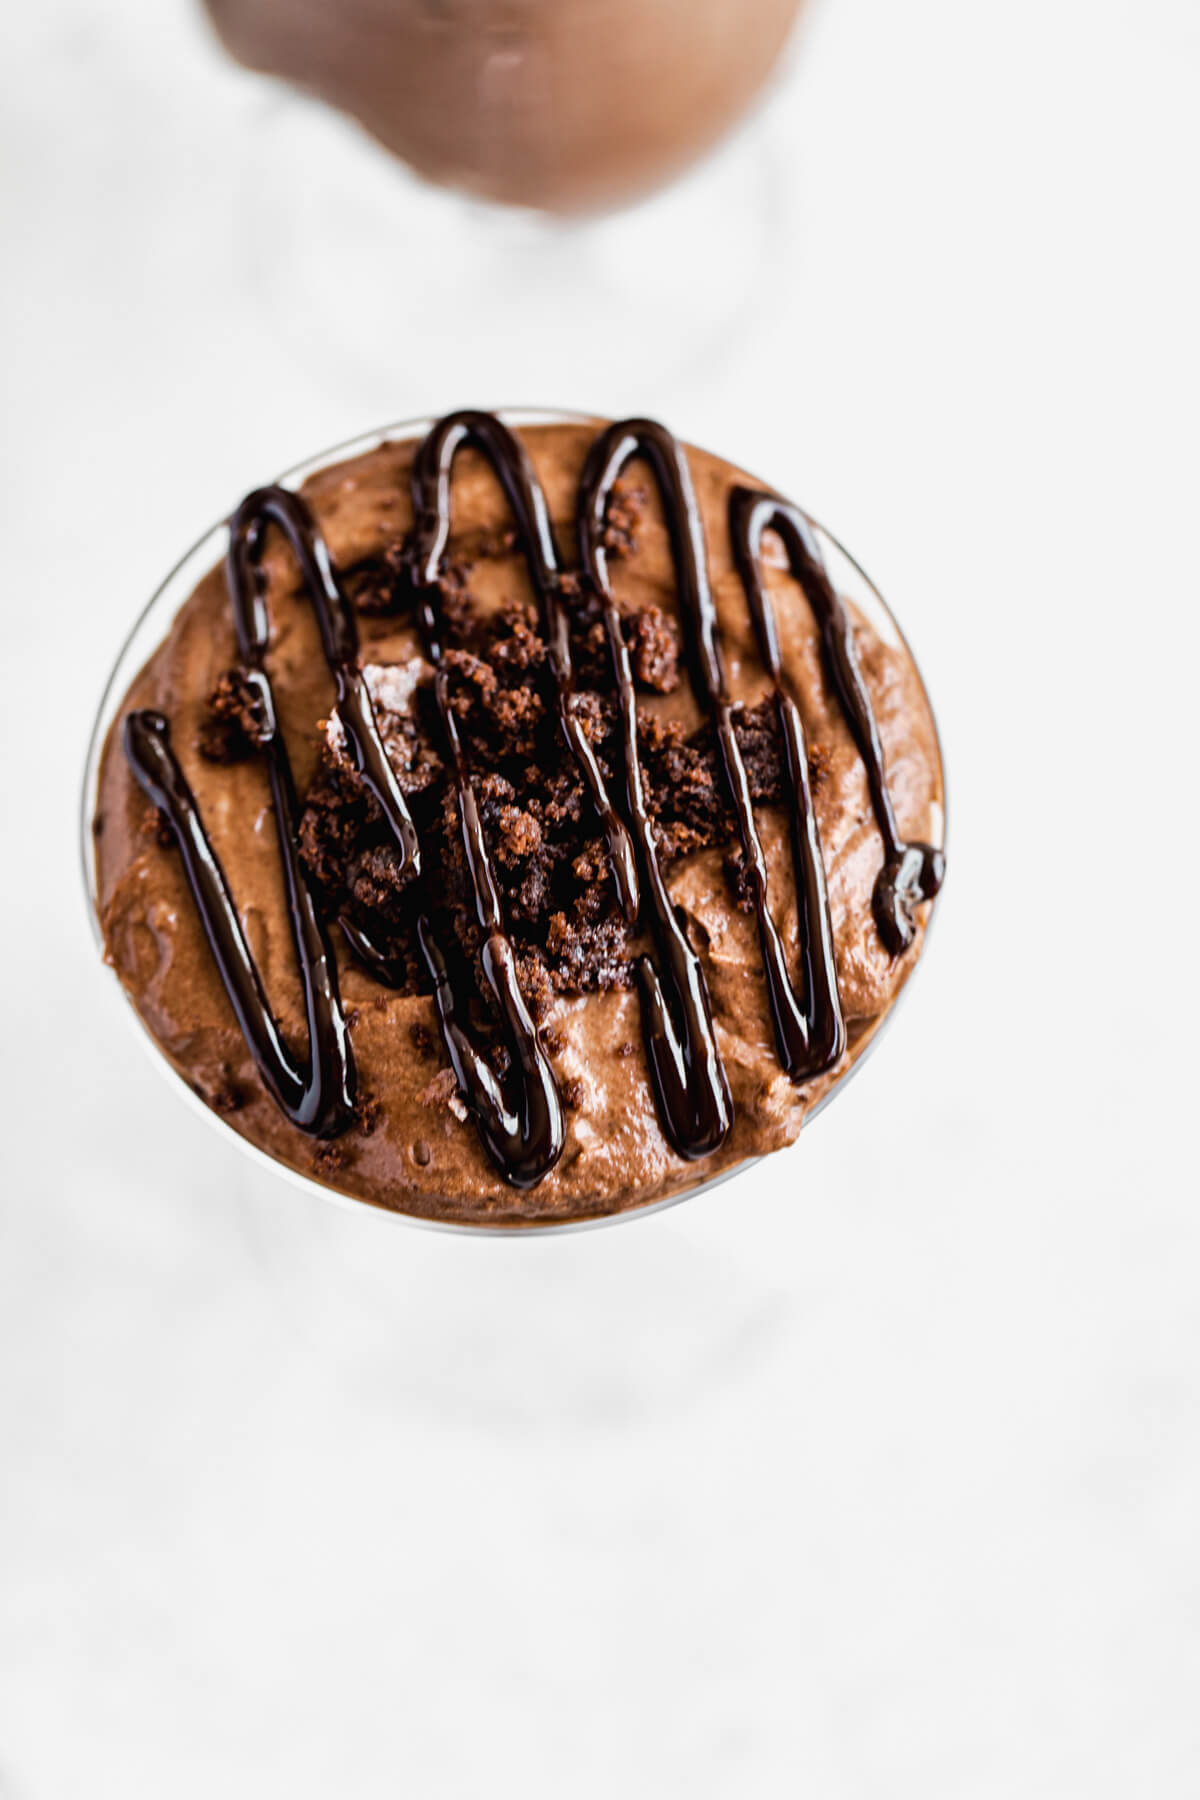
(412, 1144)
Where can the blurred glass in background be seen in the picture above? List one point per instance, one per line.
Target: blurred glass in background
(542, 223)
(565, 105)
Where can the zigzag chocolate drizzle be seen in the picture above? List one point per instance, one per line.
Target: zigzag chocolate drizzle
(523, 1134)
(432, 470)
(911, 872)
(809, 1033)
(519, 1114)
(318, 1096)
(339, 640)
(690, 1085)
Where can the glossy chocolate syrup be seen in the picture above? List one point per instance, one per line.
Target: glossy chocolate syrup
(522, 1131)
(431, 475)
(911, 872)
(690, 1084)
(318, 1096)
(809, 1033)
(519, 1115)
(339, 640)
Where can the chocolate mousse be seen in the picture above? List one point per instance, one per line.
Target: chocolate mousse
(562, 104)
(521, 826)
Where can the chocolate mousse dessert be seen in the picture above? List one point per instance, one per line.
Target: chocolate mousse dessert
(522, 826)
(562, 104)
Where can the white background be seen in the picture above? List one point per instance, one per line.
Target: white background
(876, 1473)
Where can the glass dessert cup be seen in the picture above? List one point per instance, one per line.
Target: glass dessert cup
(153, 625)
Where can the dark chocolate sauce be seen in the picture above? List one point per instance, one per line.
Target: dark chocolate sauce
(519, 1114)
(339, 640)
(431, 475)
(318, 1097)
(523, 1132)
(809, 1032)
(681, 1044)
(690, 1084)
(911, 872)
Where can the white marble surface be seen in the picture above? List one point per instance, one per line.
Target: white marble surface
(868, 1475)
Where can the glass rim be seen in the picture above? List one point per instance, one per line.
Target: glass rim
(129, 660)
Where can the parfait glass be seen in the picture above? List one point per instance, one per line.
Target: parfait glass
(320, 1249)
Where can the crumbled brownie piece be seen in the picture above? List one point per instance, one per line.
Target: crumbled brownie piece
(537, 989)
(737, 874)
(376, 588)
(761, 745)
(441, 1090)
(588, 957)
(234, 724)
(367, 1113)
(684, 778)
(328, 1158)
(422, 1038)
(515, 641)
(470, 680)
(156, 824)
(574, 1093)
(520, 836)
(819, 767)
(549, 855)
(517, 713)
(225, 1097)
(625, 507)
(653, 650)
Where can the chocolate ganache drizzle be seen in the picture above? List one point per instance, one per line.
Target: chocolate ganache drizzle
(809, 1032)
(519, 1114)
(911, 872)
(319, 1097)
(507, 455)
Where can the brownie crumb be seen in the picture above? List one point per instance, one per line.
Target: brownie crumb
(377, 588)
(548, 851)
(223, 1096)
(625, 1049)
(328, 1157)
(156, 824)
(520, 836)
(441, 1090)
(367, 1113)
(654, 650)
(819, 767)
(574, 1093)
(553, 1042)
(626, 504)
(737, 875)
(537, 988)
(234, 725)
